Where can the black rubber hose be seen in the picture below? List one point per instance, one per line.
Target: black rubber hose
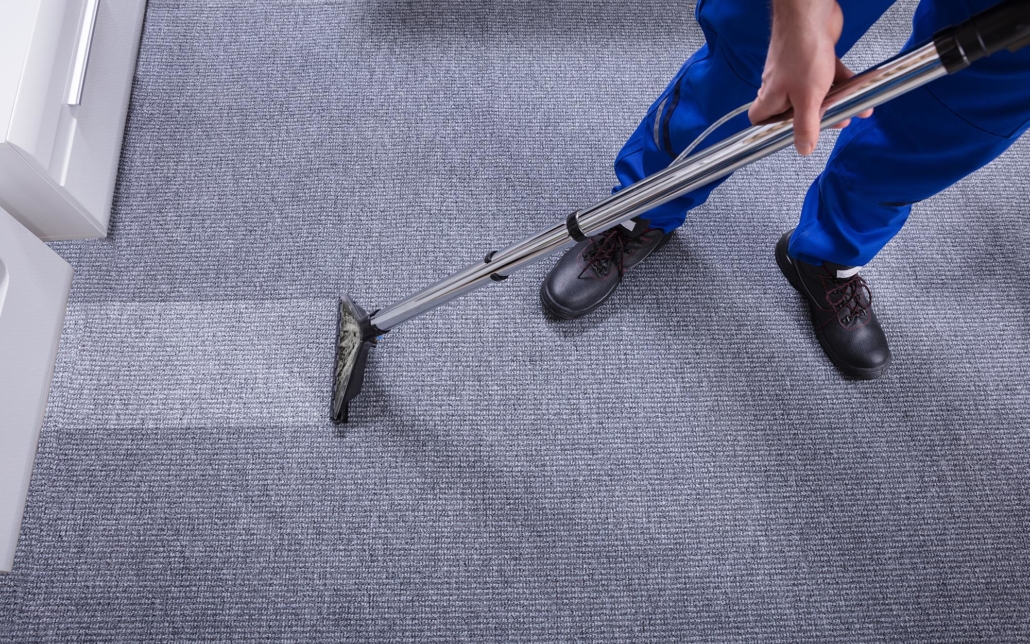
(1003, 26)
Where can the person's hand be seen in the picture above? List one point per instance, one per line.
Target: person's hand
(802, 66)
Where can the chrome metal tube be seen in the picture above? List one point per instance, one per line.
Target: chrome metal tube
(503, 263)
(868, 89)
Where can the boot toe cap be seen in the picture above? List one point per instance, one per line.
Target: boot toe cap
(572, 290)
(573, 297)
(864, 355)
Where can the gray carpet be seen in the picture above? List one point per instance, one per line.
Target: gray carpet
(685, 465)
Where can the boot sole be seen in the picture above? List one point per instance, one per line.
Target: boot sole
(858, 373)
(559, 312)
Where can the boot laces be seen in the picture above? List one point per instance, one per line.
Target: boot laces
(851, 295)
(609, 249)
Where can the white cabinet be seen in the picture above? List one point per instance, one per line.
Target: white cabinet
(66, 69)
(34, 285)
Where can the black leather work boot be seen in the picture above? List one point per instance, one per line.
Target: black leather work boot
(842, 314)
(589, 272)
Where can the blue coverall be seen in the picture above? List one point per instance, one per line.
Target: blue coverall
(911, 148)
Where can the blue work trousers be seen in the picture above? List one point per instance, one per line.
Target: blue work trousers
(910, 149)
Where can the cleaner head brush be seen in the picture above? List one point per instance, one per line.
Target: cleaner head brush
(355, 336)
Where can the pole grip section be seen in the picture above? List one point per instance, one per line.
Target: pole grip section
(1004, 26)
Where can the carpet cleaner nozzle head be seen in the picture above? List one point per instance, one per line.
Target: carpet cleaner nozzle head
(355, 335)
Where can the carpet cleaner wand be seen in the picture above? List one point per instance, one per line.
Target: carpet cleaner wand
(1004, 26)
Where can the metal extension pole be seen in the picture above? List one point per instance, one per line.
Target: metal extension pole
(1004, 26)
(869, 89)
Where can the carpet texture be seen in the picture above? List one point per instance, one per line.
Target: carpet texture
(684, 465)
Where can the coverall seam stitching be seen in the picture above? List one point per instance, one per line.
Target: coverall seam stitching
(842, 176)
(729, 63)
(839, 170)
(967, 121)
